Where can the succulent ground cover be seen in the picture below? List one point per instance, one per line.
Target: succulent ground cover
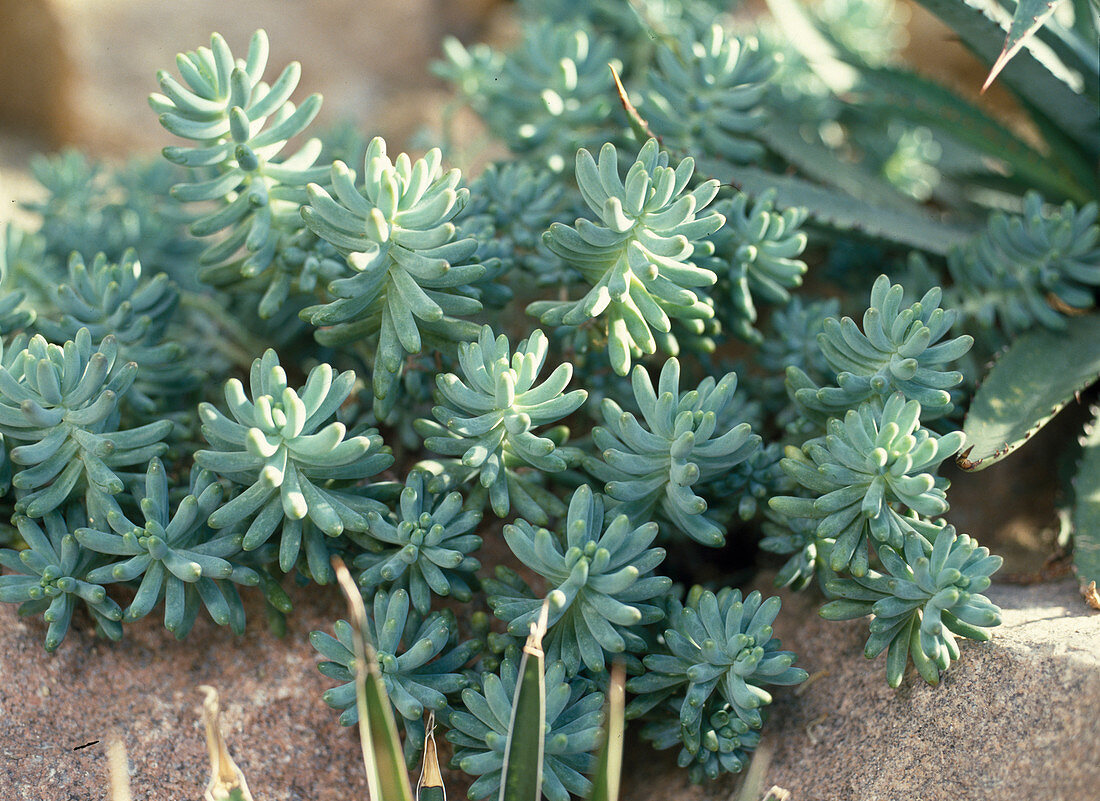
(602, 341)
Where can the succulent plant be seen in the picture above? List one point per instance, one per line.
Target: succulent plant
(1030, 269)
(705, 95)
(116, 300)
(62, 401)
(638, 258)
(928, 594)
(480, 731)
(545, 98)
(598, 580)
(756, 256)
(899, 349)
(172, 555)
(424, 548)
(726, 741)
(297, 470)
(410, 271)
(718, 646)
(486, 423)
(421, 663)
(654, 468)
(865, 473)
(50, 576)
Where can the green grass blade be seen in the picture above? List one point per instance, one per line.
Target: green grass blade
(1086, 508)
(605, 782)
(1033, 379)
(387, 779)
(524, 752)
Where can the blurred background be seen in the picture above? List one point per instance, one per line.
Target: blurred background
(77, 72)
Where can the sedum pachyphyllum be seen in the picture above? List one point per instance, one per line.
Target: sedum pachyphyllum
(717, 646)
(419, 656)
(424, 548)
(1034, 268)
(118, 300)
(171, 554)
(486, 424)
(705, 95)
(51, 576)
(297, 469)
(871, 467)
(756, 257)
(927, 595)
(640, 257)
(480, 731)
(654, 468)
(240, 126)
(411, 274)
(599, 584)
(62, 401)
(898, 350)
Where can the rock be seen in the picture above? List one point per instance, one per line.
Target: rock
(58, 712)
(35, 71)
(368, 58)
(1017, 717)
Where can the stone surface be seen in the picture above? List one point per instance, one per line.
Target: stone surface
(282, 735)
(1018, 717)
(1015, 718)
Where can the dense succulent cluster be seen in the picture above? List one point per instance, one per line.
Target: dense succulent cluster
(420, 658)
(150, 463)
(297, 471)
(899, 349)
(654, 468)
(424, 548)
(718, 653)
(545, 98)
(598, 583)
(1032, 268)
(705, 96)
(61, 404)
(480, 732)
(485, 423)
(926, 596)
(756, 257)
(397, 234)
(637, 259)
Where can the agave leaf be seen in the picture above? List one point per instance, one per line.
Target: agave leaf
(382, 755)
(1034, 378)
(227, 782)
(1086, 510)
(815, 160)
(431, 780)
(812, 45)
(523, 754)
(905, 94)
(1027, 19)
(843, 212)
(1032, 81)
(605, 782)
